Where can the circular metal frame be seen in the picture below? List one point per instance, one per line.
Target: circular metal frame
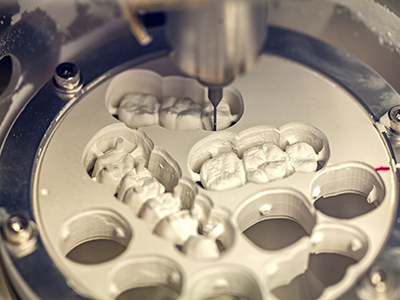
(27, 138)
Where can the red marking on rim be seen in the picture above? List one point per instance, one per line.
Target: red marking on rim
(382, 168)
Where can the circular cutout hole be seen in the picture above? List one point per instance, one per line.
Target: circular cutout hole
(6, 70)
(146, 278)
(276, 219)
(275, 234)
(348, 190)
(227, 283)
(334, 249)
(345, 205)
(94, 237)
(9, 74)
(149, 293)
(88, 252)
(324, 269)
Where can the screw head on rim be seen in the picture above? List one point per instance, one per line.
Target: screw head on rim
(17, 229)
(20, 235)
(394, 116)
(67, 78)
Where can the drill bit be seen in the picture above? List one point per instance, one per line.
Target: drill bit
(215, 97)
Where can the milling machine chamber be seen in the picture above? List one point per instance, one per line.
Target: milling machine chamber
(326, 82)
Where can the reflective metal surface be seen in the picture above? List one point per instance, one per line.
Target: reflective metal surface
(25, 147)
(40, 39)
(215, 43)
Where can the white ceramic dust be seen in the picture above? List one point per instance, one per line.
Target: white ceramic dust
(224, 116)
(110, 167)
(180, 114)
(222, 172)
(302, 157)
(201, 247)
(177, 227)
(155, 209)
(138, 110)
(202, 208)
(138, 186)
(265, 163)
(205, 245)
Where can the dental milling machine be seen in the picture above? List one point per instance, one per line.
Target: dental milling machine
(212, 41)
(199, 149)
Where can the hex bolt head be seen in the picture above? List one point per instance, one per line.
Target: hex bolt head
(17, 229)
(394, 117)
(67, 78)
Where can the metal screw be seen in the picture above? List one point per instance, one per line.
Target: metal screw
(17, 229)
(378, 283)
(394, 117)
(397, 115)
(378, 278)
(265, 209)
(67, 78)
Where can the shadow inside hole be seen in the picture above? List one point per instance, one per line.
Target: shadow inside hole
(275, 234)
(344, 206)
(158, 292)
(324, 269)
(200, 184)
(6, 70)
(220, 246)
(90, 172)
(95, 251)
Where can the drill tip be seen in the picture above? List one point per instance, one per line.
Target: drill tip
(215, 97)
(215, 118)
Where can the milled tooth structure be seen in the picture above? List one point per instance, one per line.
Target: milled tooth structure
(224, 116)
(138, 110)
(110, 167)
(180, 114)
(224, 171)
(265, 163)
(302, 157)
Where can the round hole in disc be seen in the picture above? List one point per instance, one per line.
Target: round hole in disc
(95, 251)
(225, 283)
(95, 236)
(6, 70)
(329, 268)
(159, 292)
(275, 234)
(146, 278)
(10, 70)
(347, 190)
(344, 206)
(324, 269)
